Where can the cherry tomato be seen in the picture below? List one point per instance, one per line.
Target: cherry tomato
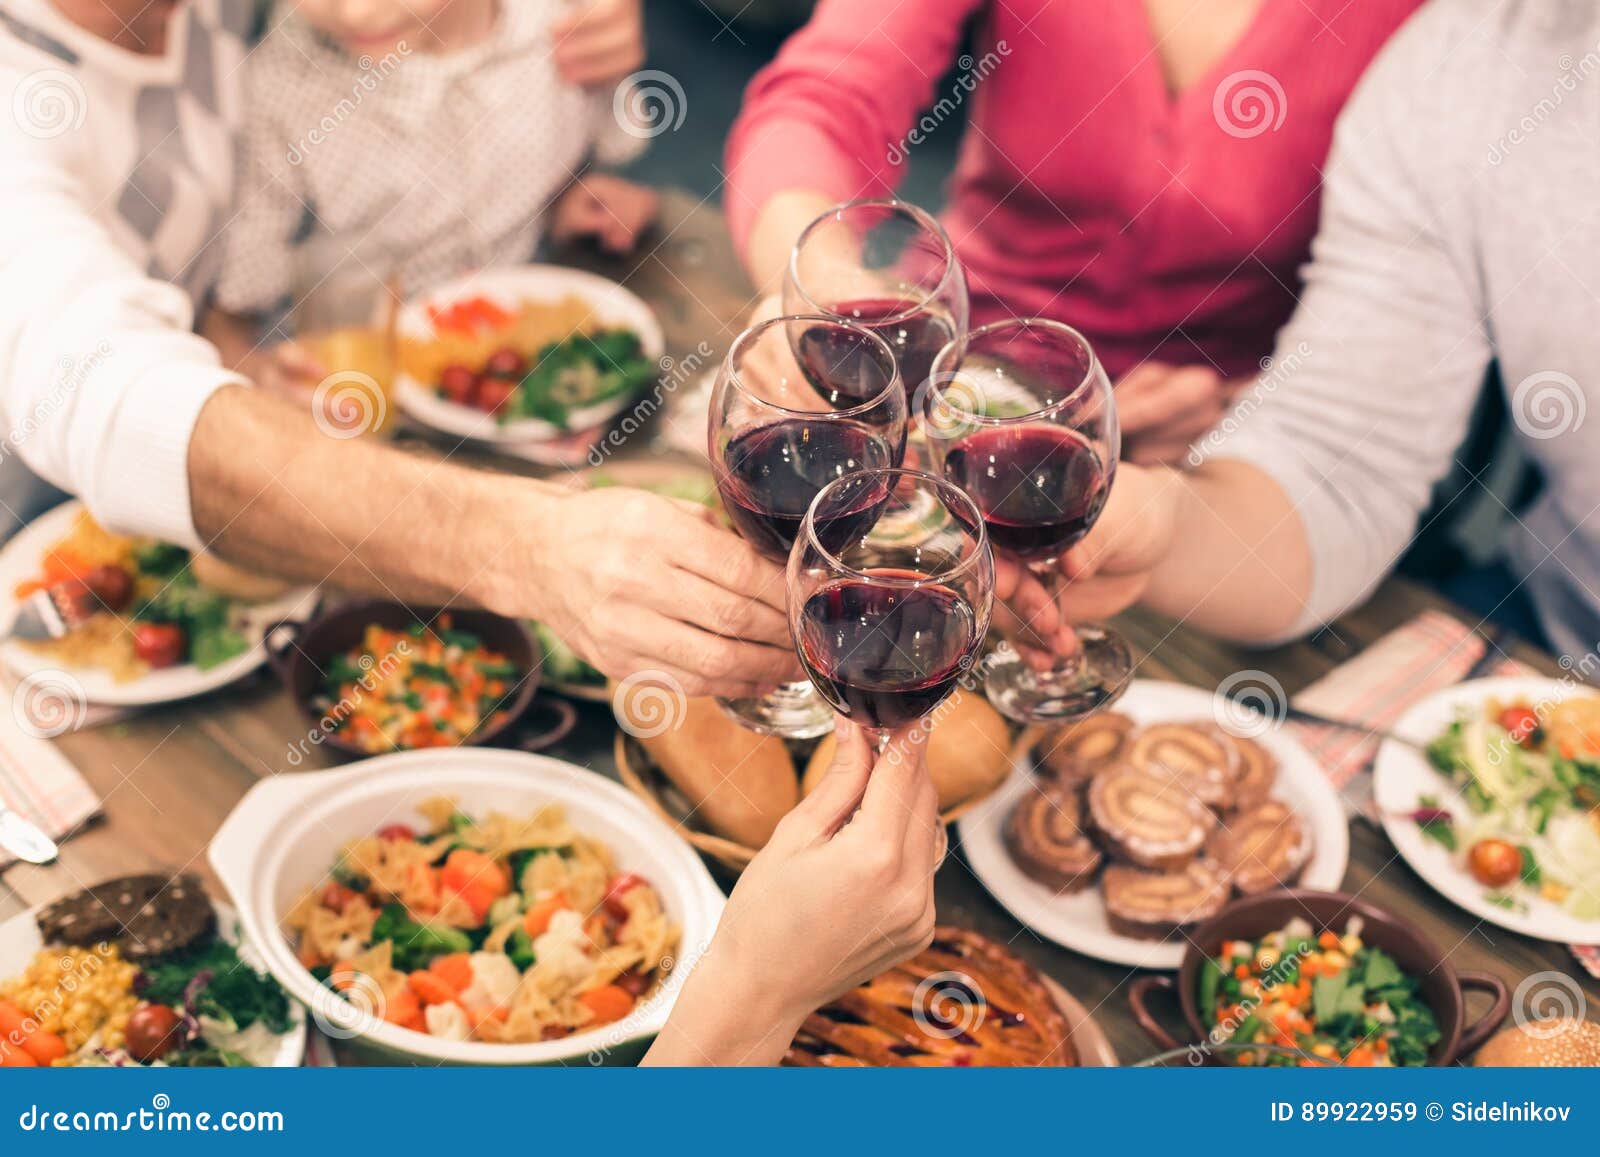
(621, 884)
(493, 393)
(506, 362)
(458, 383)
(397, 832)
(1520, 721)
(160, 644)
(111, 585)
(153, 1031)
(633, 982)
(1494, 863)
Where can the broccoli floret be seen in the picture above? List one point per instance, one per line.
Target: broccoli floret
(415, 945)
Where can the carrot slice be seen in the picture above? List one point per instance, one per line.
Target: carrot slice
(454, 969)
(431, 988)
(609, 1003)
(12, 1057)
(536, 922)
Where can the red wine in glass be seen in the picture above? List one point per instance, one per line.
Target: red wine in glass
(1040, 488)
(768, 475)
(915, 334)
(884, 655)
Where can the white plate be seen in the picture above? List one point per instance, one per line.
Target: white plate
(1400, 776)
(1078, 921)
(288, 831)
(508, 288)
(19, 562)
(20, 941)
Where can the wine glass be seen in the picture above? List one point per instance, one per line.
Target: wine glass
(887, 620)
(775, 441)
(1025, 422)
(889, 266)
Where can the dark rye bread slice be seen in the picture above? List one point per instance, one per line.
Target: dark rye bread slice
(1154, 905)
(1044, 835)
(144, 916)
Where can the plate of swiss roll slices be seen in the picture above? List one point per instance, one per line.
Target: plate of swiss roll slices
(1114, 835)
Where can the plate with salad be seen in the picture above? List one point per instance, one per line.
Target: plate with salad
(140, 971)
(1499, 810)
(163, 623)
(525, 354)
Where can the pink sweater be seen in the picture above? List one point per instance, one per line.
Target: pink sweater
(1163, 227)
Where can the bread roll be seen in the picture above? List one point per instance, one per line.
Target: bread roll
(740, 783)
(234, 581)
(1555, 1042)
(968, 750)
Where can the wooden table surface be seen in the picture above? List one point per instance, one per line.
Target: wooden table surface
(169, 775)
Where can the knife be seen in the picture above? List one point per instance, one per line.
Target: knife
(23, 839)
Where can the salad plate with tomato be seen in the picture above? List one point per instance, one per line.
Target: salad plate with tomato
(141, 971)
(160, 623)
(1498, 808)
(529, 353)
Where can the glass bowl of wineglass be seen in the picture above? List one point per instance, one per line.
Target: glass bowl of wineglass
(780, 431)
(887, 621)
(885, 265)
(1025, 422)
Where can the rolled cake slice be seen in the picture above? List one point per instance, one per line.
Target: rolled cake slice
(1200, 757)
(1261, 848)
(1154, 905)
(1046, 840)
(1153, 822)
(1255, 773)
(1075, 754)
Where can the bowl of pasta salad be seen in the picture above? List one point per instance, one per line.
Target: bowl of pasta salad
(469, 906)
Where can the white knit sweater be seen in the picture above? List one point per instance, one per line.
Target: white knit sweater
(115, 178)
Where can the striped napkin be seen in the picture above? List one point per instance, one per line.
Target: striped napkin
(38, 783)
(1431, 652)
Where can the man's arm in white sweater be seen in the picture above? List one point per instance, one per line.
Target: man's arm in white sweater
(111, 397)
(101, 378)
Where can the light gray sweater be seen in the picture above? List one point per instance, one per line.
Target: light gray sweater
(1461, 224)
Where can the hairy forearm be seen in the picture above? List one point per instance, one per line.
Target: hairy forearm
(1239, 563)
(273, 493)
(777, 227)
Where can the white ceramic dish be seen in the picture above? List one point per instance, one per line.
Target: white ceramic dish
(19, 562)
(612, 304)
(20, 940)
(1401, 775)
(287, 831)
(1078, 921)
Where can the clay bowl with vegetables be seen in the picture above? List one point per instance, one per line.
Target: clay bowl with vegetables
(376, 677)
(292, 836)
(1322, 974)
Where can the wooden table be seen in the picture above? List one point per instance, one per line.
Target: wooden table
(169, 775)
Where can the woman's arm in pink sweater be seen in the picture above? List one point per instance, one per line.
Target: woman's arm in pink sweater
(827, 120)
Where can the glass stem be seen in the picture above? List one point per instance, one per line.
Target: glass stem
(1055, 585)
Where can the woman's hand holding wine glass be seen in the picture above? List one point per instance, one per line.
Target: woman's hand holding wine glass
(842, 891)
